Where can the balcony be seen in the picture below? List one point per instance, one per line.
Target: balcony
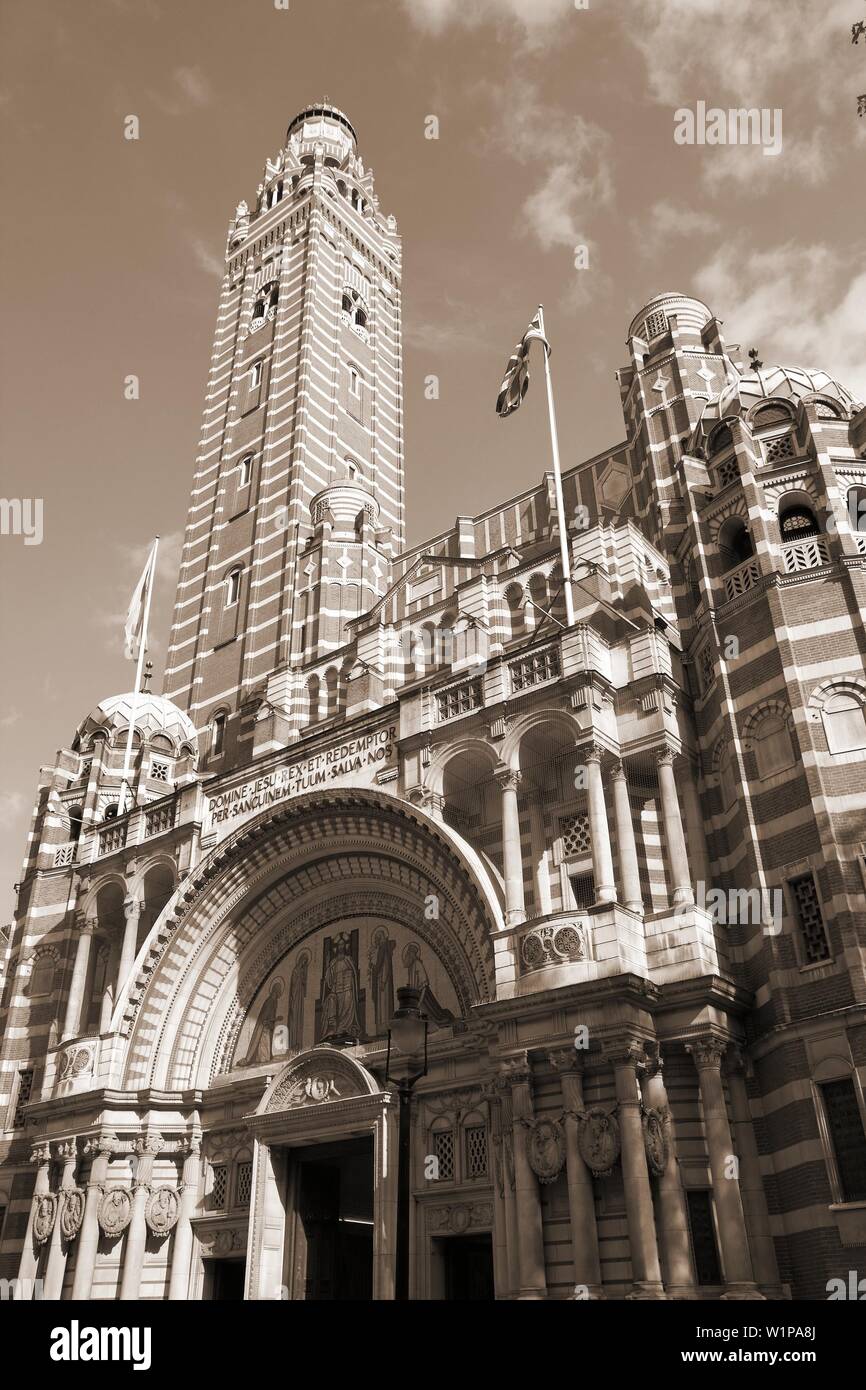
(811, 553)
(744, 577)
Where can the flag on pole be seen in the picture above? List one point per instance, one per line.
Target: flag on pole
(133, 631)
(515, 383)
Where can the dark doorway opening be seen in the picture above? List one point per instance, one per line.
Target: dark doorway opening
(227, 1280)
(468, 1268)
(335, 1207)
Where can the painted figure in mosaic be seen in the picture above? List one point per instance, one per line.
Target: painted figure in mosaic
(417, 978)
(382, 979)
(340, 1012)
(261, 1048)
(297, 992)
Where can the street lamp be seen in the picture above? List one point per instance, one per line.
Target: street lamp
(408, 1032)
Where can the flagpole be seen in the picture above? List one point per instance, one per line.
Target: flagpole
(142, 651)
(557, 478)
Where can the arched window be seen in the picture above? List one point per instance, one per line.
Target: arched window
(355, 383)
(773, 748)
(728, 782)
(514, 599)
(857, 508)
(313, 700)
(245, 471)
(844, 722)
(735, 543)
(110, 811)
(233, 587)
(217, 735)
(255, 376)
(797, 520)
(42, 978)
(76, 817)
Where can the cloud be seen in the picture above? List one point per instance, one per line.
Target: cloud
(539, 19)
(734, 54)
(803, 306)
(11, 717)
(189, 91)
(11, 809)
(570, 158)
(667, 220)
(205, 258)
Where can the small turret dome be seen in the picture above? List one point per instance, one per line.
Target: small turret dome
(154, 714)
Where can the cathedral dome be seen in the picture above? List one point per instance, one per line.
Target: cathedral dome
(792, 383)
(154, 714)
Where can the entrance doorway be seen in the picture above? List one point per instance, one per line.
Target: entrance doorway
(226, 1280)
(334, 1228)
(466, 1268)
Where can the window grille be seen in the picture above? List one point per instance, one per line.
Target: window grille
(582, 889)
(811, 918)
(219, 1191)
(744, 577)
(656, 324)
(538, 666)
(781, 448)
(727, 473)
(243, 1184)
(25, 1091)
(113, 839)
(575, 834)
(703, 1237)
(476, 1151)
(708, 668)
(849, 1141)
(64, 855)
(158, 821)
(811, 554)
(458, 699)
(443, 1149)
(159, 771)
(85, 769)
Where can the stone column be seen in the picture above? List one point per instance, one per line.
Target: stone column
(178, 1285)
(530, 1240)
(509, 1198)
(581, 1197)
(736, 1258)
(628, 866)
(108, 993)
(501, 1270)
(147, 1149)
(540, 874)
(751, 1182)
(674, 1242)
(31, 1252)
(80, 974)
(640, 1217)
(100, 1151)
(694, 817)
(602, 859)
(512, 858)
(56, 1267)
(132, 912)
(678, 859)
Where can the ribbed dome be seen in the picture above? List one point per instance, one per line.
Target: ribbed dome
(154, 714)
(792, 383)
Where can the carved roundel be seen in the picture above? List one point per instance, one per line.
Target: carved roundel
(655, 1141)
(72, 1212)
(598, 1139)
(45, 1216)
(162, 1210)
(115, 1211)
(546, 1149)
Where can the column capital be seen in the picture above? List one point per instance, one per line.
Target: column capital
(508, 778)
(592, 751)
(132, 907)
(41, 1154)
(67, 1150)
(566, 1059)
(666, 755)
(86, 923)
(106, 1143)
(707, 1052)
(625, 1051)
(617, 770)
(152, 1143)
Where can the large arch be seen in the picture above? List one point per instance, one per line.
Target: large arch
(321, 858)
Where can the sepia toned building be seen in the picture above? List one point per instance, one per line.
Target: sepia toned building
(620, 862)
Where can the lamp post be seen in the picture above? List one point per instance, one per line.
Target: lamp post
(408, 1032)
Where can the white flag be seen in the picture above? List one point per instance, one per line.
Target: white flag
(133, 631)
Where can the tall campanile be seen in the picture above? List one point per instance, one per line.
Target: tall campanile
(302, 437)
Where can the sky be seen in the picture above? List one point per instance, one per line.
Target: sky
(555, 124)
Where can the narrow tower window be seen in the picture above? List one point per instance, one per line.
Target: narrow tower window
(246, 471)
(255, 376)
(233, 588)
(217, 735)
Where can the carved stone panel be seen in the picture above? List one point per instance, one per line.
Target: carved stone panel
(45, 1216)
(162, 1210)
(115, 1211)
(72, 1212)
(598, 1139)
(545, 1146)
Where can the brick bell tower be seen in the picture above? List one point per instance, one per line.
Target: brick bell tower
(297, 499)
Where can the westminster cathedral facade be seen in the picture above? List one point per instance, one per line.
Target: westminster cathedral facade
(619, 862)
